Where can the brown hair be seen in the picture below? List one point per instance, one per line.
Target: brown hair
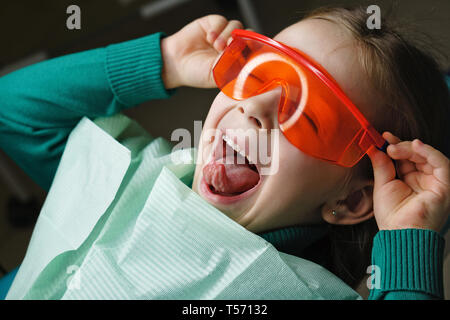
(415, 105)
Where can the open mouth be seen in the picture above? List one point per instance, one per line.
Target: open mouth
(230, 173)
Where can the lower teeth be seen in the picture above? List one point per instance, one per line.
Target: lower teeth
(213, 190)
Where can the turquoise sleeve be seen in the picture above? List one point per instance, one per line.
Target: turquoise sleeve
(42, 103)
(408, 265)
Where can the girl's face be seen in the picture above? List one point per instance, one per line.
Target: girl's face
(301, 189)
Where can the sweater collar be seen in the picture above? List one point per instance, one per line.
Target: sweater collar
(294, 239)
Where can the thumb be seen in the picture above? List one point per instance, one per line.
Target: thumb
(383, 167)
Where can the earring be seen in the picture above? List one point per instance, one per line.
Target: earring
(333, 212)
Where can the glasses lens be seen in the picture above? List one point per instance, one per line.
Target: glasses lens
(310, 115)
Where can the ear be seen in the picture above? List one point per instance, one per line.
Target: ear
(353, 208)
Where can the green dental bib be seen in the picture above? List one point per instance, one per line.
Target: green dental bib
(120, 222)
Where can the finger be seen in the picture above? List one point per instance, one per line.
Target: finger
(213, 26)
(225, 35)
(404, 151)
(425, 168)
(439, 162)
(398, 153)
(383, 168)
(211, 75)
(403, 166)
(391, 138)
(231, 39)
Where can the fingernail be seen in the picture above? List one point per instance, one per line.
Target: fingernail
(212, 35)
(220, 43)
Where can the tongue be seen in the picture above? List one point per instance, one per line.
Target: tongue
(230, 178)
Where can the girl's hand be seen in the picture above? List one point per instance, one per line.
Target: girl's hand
(420, 198)
(190, 54)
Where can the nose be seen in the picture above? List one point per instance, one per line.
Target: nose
(262, 110)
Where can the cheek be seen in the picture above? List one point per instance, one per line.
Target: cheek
(221, 105)
(305, 178)
(297, 170)
(295, 192)
(218, 109)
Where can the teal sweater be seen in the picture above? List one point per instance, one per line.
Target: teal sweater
(41, 104)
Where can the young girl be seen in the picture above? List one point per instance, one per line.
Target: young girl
(387, 78)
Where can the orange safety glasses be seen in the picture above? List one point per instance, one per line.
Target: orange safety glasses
(314, 113)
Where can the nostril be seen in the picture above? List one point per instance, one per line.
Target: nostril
(258, 123)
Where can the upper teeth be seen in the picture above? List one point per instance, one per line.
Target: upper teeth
(234, 146)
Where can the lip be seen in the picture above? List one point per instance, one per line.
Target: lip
(216, 153)
(223, 200)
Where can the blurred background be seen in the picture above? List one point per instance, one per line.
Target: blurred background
(32, 31)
